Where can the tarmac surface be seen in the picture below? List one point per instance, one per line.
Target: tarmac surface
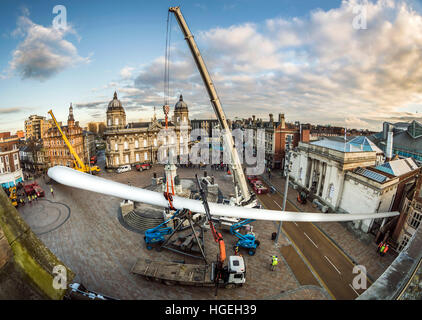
(90, 240)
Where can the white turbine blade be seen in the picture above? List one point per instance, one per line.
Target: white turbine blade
(73, 178)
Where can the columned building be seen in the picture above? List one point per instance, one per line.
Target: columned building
(139, 142)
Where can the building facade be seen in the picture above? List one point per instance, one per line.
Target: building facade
(56, 150)
(131, 143)
(10, 168)
(406, 139)
(36, 127)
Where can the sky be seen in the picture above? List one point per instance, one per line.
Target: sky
(350, 63)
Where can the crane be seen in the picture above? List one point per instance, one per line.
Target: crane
(236, 167)
(230, 275)
(79, 165)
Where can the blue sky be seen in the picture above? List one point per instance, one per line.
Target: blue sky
(301, 58)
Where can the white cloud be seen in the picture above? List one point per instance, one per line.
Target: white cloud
(126, 72)
(317, 69)
(44, 52)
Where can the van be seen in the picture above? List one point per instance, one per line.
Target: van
(124, 168)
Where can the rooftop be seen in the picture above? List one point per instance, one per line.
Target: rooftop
(356, 144)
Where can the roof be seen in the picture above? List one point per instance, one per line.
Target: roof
(356, 144)
(398, 167)
(371, 175)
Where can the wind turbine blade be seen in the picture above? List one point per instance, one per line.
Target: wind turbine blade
(76, 179)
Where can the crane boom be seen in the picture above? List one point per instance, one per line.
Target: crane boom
(80, 166)
(215, 101)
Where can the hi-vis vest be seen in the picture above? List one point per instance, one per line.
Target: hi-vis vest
(275, 261)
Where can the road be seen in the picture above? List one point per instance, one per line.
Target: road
(328, 263)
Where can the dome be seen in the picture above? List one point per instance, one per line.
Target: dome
(181, 104)
(115, 103)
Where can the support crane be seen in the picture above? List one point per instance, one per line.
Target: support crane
(228, 275)
(79, 165)
(236, 167)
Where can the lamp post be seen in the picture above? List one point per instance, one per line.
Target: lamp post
(286, 186)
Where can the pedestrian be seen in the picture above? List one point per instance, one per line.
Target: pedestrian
(33, 198)
(51, 189)
(383, 252)
(379, 247)
(382, 248)
(29, 200)
(36, 198)
(236, 250)
(274, 262)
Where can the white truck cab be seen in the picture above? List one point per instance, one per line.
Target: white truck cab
(237, 270)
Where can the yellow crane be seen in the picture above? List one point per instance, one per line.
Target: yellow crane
(79, 165)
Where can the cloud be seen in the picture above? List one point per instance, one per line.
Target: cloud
(11, 110)
(126, 72)
(43, 52)
(91, 105)
(317, 68)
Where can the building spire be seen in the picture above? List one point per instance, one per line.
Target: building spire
(71, 118)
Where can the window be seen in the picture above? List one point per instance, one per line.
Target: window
(116, 160)
(116, 147)
(415, 219)
(127, 158)
(126, 145)
(109, 122)
(155, 142)
(145, 156)
(136, 144)
(116, 121)
(145, 143)
(137, 157)
(331, 191)
(404, 242)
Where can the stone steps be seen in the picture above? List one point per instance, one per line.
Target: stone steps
(140, 222)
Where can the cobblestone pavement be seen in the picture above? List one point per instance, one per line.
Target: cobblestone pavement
(359, 250)
(101, 251)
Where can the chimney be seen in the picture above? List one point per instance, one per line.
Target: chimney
(253, 119)
(282, 121)
(389, 148)
(271, 118)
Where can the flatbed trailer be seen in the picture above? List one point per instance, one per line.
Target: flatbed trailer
(172, 273)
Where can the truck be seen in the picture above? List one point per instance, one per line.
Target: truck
(172, 273)
(33, 188)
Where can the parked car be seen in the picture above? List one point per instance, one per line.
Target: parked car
(123, 169)
(259, 187)
(252, 179)
(143, 166)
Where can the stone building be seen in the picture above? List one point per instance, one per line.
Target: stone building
(36, 127)
(276, 135)
(10, 168)
(352, 177)
(56, 150)
(139, 142)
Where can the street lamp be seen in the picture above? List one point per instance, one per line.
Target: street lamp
(286, 186)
